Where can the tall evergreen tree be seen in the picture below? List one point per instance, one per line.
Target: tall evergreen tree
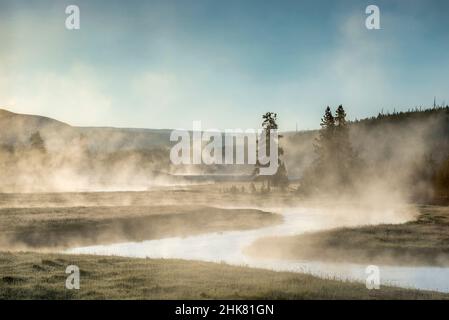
(280, 178)
(340, 117)
(324, 146)
(336, 163)
(344, 155)
(269, 121)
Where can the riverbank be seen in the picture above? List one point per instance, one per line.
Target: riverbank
(57, 228)
(42, 276)
(423, 241)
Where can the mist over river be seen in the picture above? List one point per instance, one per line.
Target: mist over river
(228, 247)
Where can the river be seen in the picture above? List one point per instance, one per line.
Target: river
(228, 247)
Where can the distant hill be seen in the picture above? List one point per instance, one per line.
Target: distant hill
(429, 124)
(17, 128)
(395, 146)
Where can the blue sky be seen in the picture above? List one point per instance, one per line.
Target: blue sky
(163, 64)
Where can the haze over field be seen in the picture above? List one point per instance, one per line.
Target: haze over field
(397, 151)
(88, 123)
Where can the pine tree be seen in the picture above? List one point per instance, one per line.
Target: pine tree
(324, 146)
(336, 163)
(344, 156)
(280, 178)
(340, 117)
(269, 123)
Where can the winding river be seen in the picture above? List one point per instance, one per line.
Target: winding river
(228, 247)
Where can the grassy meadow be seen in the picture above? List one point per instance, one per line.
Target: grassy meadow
(34, 227)
(424, 241)
(42, 276)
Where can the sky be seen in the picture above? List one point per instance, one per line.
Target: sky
(164, 64)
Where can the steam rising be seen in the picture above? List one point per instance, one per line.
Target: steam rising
(71, 159)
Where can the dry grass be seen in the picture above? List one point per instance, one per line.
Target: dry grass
(42, 276)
